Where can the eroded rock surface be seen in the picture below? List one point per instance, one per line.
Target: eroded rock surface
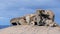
(28, 29)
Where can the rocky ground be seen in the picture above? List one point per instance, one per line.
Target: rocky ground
(28, 29)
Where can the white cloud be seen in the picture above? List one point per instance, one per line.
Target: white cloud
(1, 17)
(4, 18)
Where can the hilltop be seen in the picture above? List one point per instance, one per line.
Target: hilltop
(28, 29)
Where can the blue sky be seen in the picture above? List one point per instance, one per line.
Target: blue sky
(16, 8)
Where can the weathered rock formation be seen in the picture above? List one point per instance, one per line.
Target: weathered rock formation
(28, 29)
(40, 18)
(34, 24)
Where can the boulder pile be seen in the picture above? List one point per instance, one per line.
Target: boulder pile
(40, 18)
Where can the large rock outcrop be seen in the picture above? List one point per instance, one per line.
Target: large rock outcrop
(40, 18)
(31, 24)
(28, 29)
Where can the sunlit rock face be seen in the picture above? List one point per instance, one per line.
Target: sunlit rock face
(40, 17)
(28, 29)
